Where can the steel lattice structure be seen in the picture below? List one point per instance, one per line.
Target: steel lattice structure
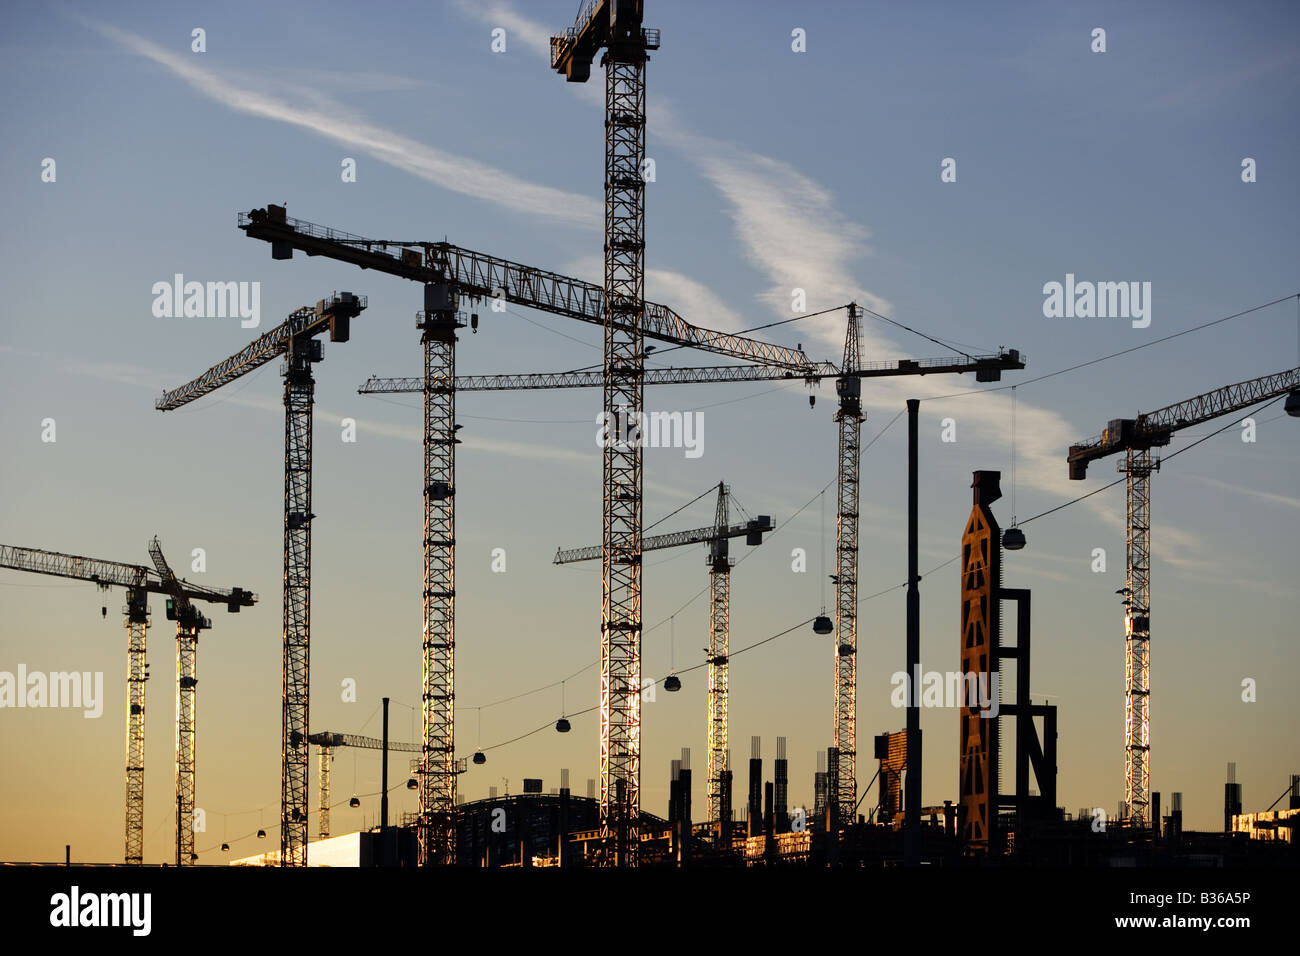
(136, 616)
(299, 387)
(615, 25)
(849, 416)
(323, 757)
(1136, 437)
(620, 683)
(703, 374)
(478, 275)
(1139, 464)
(437, 773)
(719, 636)
(187, 645)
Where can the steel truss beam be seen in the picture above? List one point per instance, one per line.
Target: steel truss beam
(702, 374)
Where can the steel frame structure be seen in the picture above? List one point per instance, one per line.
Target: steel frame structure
(981, 636)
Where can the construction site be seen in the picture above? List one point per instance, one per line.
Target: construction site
(741, 791)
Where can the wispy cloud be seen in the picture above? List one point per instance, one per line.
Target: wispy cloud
(1268, 496)
(323, 116)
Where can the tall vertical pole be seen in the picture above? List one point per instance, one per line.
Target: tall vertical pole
(298, 394)
(912, 797)
(137, 628)
(383, 775)
(719, 635)
(843, 796)
(620, 678)
(437, 777)
(187, 644)
(1137, 637)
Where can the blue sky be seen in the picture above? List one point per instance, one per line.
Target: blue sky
(774, 170)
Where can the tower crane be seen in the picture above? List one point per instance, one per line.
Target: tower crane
(139, 582)
(717, 537)
(450, 273)
(295, 339)
(188, 624)
(326, 742)
(1135, 437)
(615, 25)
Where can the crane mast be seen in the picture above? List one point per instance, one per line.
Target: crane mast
(188, 623)
(843, 796)
(1135, 437)
(437, 773)
(136, 619)
(719, 638)
(615, 25)
(139, 583)
(295, 340)
(299, 392)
